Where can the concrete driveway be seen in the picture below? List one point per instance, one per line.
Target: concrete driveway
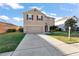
(43, 45)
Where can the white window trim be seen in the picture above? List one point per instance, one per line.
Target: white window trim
(39, 17)
(29, 16)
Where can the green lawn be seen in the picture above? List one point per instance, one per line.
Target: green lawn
(63, 36)
(9, 41)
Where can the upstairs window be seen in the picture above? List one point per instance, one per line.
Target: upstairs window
(29, 17)
(39, 17)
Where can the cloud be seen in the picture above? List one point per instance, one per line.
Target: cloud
(39, 8)
(49, 14)
(53, 14)
(4, 17)
(17, 19)
(76, 9)
(7, 19)
(12, 5)
(75, 4)
(46, 14)
(66, 9)
(1, 4)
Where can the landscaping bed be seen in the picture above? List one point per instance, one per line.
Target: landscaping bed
(9, 41)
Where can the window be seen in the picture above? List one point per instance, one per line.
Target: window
(29, 17)
(39, 17)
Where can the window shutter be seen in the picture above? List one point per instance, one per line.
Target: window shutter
(27, 16)
(32, 17)
(41, 17)
(37, 17)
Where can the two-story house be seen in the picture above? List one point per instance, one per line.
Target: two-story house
(36, 22)
(61, 22)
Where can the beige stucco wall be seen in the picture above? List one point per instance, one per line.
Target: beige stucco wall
(38, 24)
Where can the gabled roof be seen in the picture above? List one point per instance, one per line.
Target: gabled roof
(62, 21)
(67, 17)
(35, 9)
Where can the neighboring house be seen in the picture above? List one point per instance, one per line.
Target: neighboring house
(37, 22)
(78, 25)
(60, 23)
(5, 26)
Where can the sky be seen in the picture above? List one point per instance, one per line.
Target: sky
(12, 12)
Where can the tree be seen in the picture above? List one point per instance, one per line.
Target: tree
(72, 23)
(55, 28)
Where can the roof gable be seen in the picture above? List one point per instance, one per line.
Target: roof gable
(38, 11)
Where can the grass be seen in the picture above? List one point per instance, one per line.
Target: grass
(63, 36)
(9, 41)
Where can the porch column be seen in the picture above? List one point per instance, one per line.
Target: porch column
(48, 28)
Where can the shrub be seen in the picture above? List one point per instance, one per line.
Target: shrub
(60, 29)
(11, 30)
(55, 28)
(20, 29)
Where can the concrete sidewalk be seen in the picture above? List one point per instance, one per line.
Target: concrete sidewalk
(67, 49)
(43, 45)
